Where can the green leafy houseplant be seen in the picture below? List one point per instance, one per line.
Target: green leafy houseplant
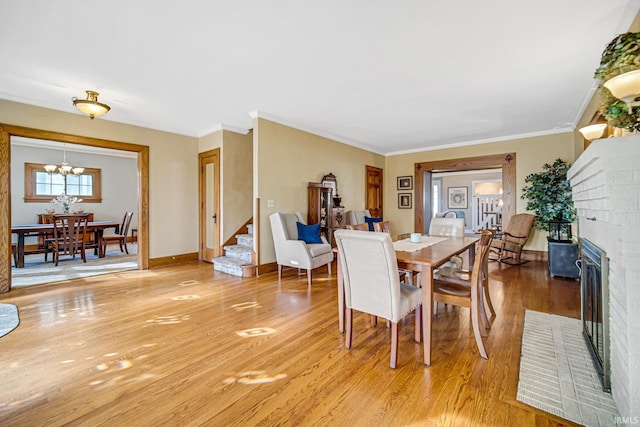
(621, 55)
(548, 194)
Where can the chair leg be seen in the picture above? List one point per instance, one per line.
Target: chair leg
(309, 277)
(487, 297)
(373, 319)
(349, 318)
(279, 272)
(475, 321)
(394, 345)
(329, 268)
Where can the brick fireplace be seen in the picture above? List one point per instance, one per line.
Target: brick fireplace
(605, 182)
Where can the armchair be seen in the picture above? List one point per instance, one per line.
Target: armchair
(357, 217)
(291, 252)
(514, 236)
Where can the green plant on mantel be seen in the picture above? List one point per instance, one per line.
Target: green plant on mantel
(548, 194)
(621, 55)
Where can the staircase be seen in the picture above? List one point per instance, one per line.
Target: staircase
(237, 258)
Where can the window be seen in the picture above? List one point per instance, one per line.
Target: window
(41, 186)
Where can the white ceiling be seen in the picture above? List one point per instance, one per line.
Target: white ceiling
(388, 76)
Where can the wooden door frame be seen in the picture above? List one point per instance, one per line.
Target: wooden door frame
(201, 199)
(506, 161)
(7, 131)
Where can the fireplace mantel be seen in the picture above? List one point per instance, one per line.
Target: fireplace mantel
(605, 182)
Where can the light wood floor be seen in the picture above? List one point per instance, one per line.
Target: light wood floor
(166, 347)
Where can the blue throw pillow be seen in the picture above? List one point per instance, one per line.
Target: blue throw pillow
(370, 221)
(309, 233)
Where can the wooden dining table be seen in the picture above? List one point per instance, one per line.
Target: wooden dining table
(424, 261)
(97, 227)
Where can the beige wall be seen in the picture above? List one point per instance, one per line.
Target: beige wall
(287, 159)
(236, 178)
(531, 154)
(173, 170)
(237, 182)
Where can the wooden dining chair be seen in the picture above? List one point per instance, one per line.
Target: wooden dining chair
(69, 232)
(372, 284)
(358, 227)
(467, 289)
(121, 234)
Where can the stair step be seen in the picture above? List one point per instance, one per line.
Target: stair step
(239, 252)
(228, 265)
(245, 239)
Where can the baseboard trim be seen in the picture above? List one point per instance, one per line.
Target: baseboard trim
(267, 268)
(172, 260)
(535, 255)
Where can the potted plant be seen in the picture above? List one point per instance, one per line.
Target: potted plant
(548, 194)
(621, 55)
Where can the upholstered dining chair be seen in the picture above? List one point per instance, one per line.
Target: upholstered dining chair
(467, 289)
(68, 236)
(372, 284)
(446, 226)
(412, 277)
(291, 252)
(514, 236)
(121, 234)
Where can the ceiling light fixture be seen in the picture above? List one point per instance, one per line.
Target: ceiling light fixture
(91, 106)
(592, 132)
(64, 168)
(626, 87)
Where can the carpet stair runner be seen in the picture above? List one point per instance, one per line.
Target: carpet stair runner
(237, 258)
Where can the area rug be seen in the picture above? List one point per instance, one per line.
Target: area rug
(557, 374)
(36, 271)
(9, 319)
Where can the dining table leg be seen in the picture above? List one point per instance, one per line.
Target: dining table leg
(20, 250)
(99, 235)
(427, 308)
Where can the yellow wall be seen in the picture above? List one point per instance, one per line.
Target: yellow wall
(531, 154)
(173, 170)
(287, 159)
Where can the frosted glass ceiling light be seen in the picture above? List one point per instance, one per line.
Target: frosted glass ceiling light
(64, 168)
(90, 106)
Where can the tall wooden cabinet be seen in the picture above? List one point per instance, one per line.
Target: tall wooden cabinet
(321, 210)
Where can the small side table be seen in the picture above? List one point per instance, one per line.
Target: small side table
(562, 259)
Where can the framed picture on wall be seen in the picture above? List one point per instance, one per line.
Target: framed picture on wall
(405, 183)
(404, 201)
(457, 197)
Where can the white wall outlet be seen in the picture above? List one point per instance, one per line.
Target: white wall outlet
(270, 203)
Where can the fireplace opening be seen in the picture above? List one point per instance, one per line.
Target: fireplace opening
(594, 284)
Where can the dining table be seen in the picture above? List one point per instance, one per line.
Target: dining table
(97, 227)
(422, 257)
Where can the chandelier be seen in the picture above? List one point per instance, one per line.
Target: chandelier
(64, 168)
(90, 106)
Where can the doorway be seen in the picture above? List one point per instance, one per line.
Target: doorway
(209, 179)
(423, 179)
(9, 131)
(373, 195)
